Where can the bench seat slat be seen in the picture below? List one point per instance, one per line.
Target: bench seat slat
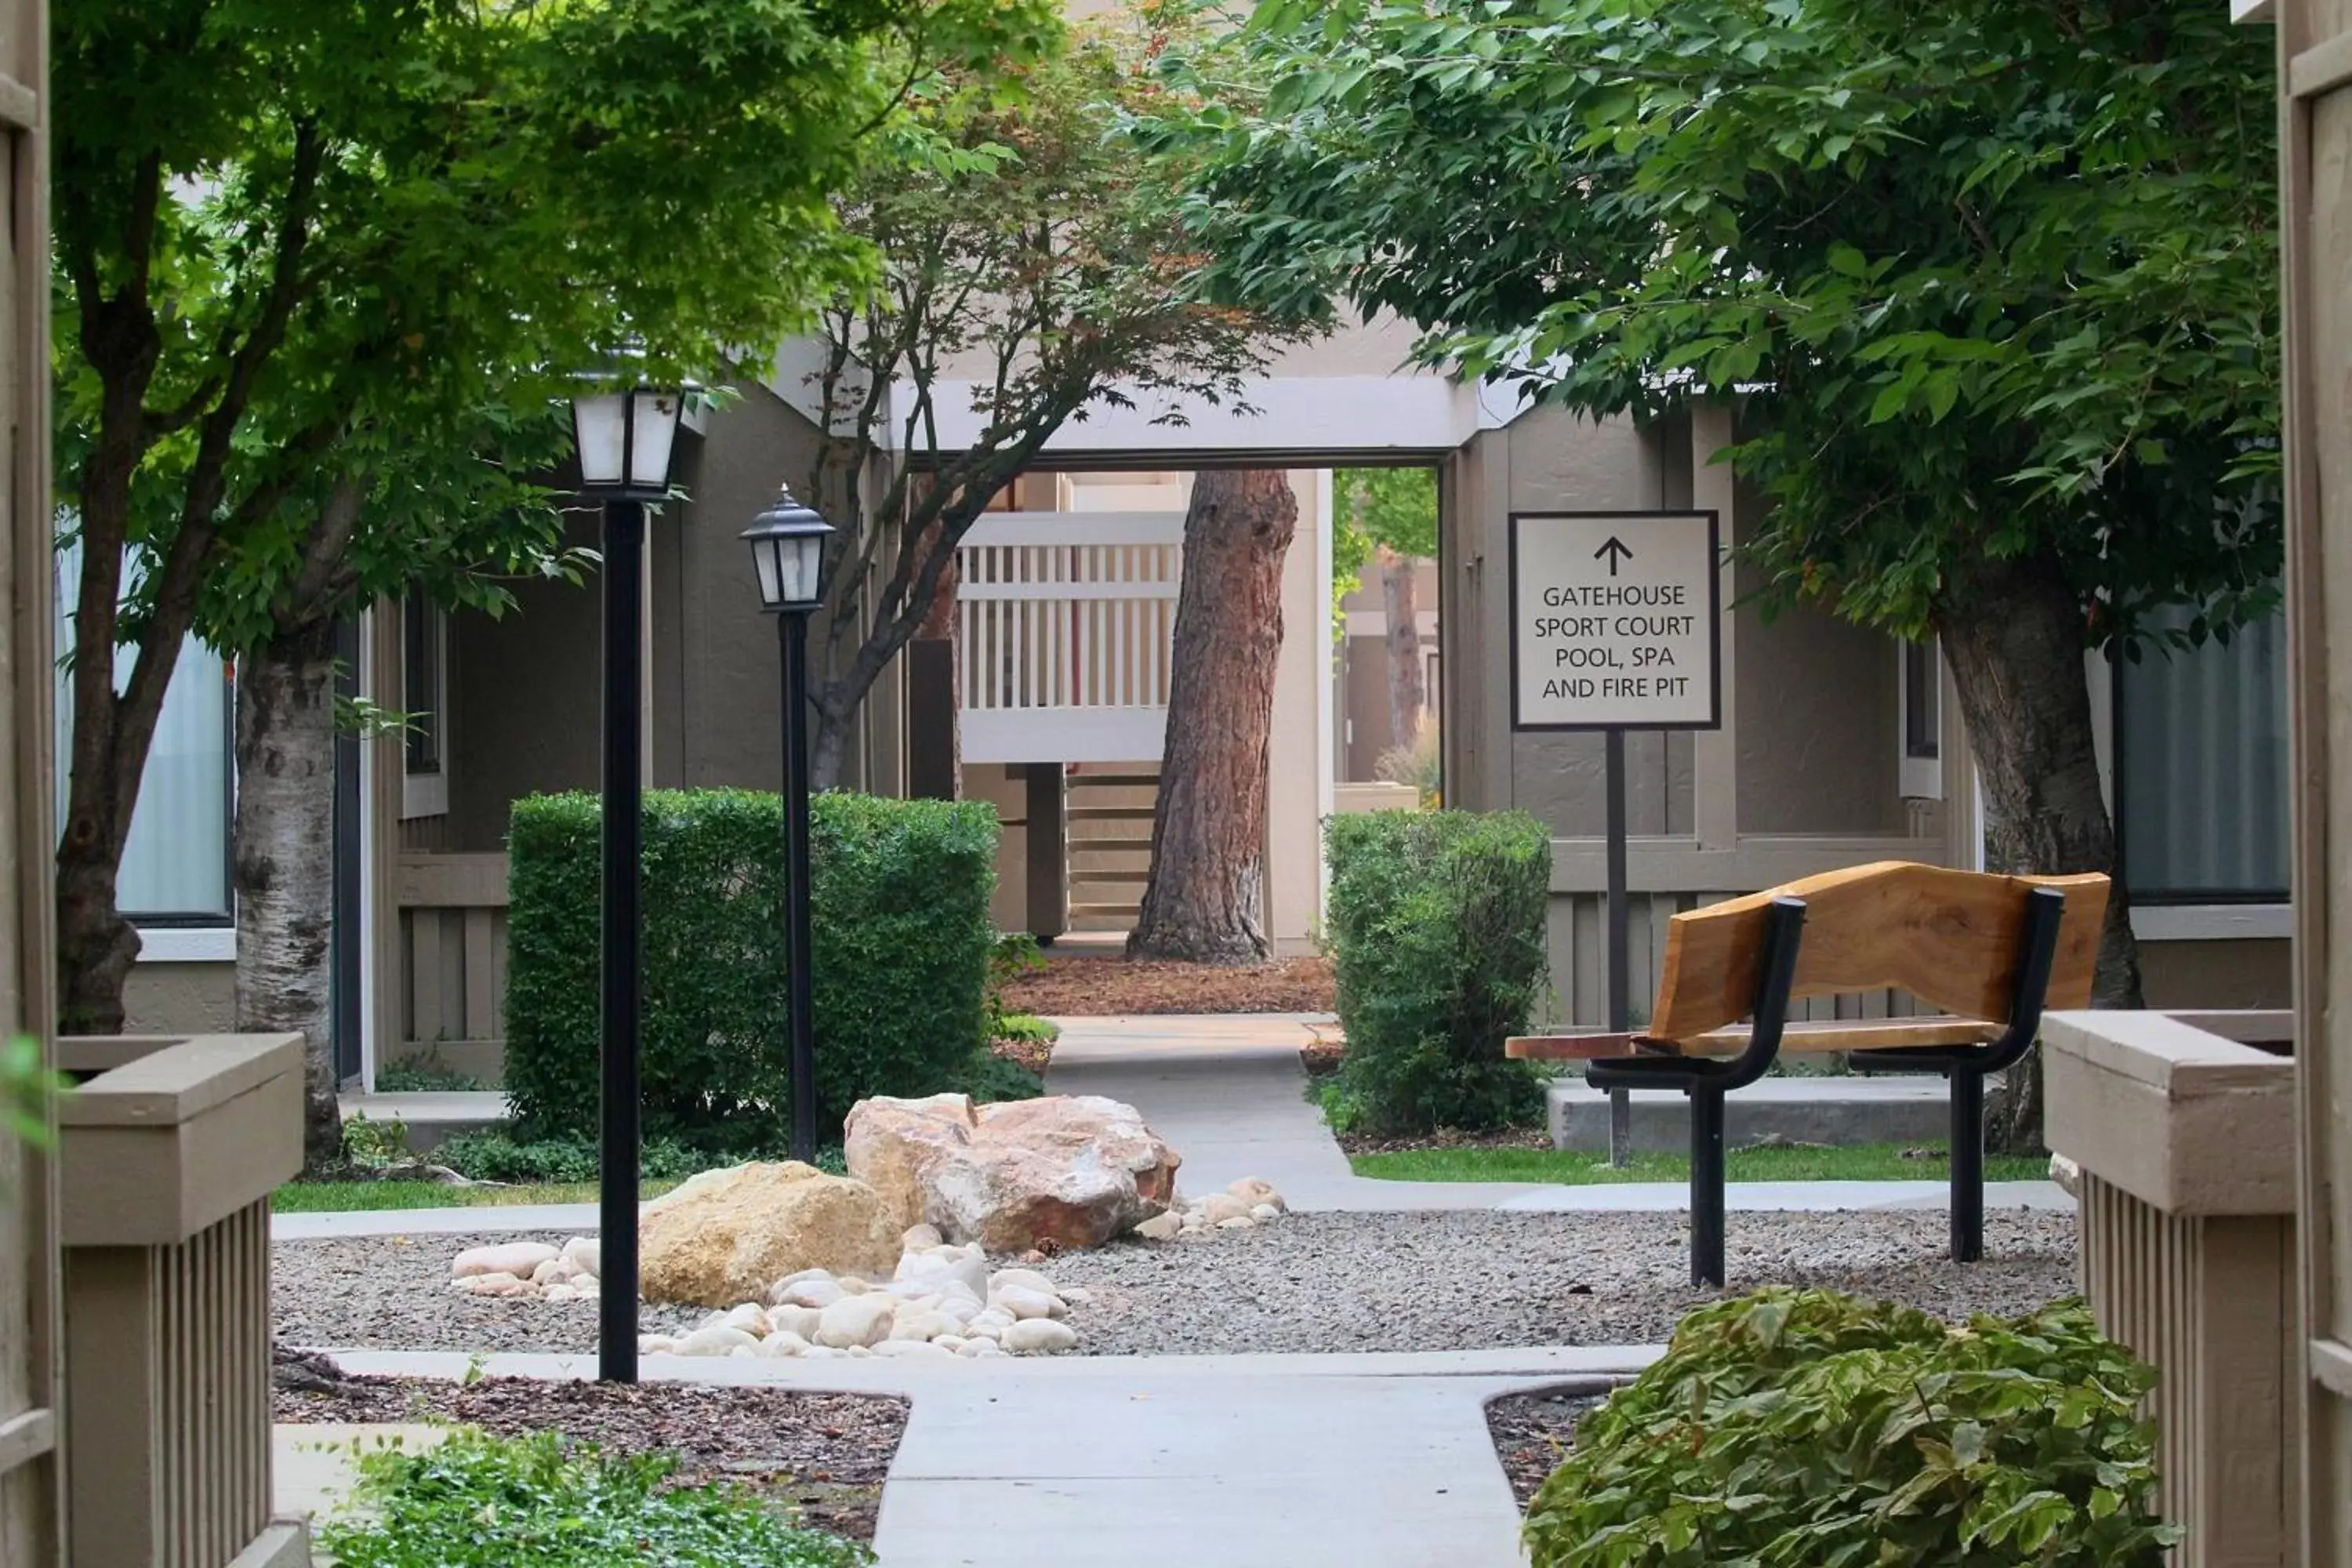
(1829, 1035)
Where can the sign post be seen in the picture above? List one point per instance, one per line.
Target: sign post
(1616, 624)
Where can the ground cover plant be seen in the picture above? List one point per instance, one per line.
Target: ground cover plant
(476, 1502)
(1767, 1162)
(1813, 1429)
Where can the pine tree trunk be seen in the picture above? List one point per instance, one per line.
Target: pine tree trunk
(2016, 654)
(1205, 900)
(284, 861)
(1407, 691)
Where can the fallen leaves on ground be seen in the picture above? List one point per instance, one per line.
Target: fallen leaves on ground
(1075, 985)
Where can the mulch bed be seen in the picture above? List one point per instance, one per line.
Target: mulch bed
(1532, 1432)
(1079, 985)
(1035, 1054)
(1447, 1137)
(825, 1453)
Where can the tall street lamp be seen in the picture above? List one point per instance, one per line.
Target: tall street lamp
(788, 548)
(625, 436)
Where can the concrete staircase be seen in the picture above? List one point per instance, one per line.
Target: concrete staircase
(1109, 808)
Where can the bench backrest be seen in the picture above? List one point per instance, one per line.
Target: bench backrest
(1950, 938)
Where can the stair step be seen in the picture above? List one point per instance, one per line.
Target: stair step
(1084, 876)
(1103, 912)
(1109, 813)
(1123, 781)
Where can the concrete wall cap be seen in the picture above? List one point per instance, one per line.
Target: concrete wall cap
(182, 1080)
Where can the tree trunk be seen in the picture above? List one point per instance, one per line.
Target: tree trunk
(2016, 653)
(1206, 897)
(96, 946)
(1407, 691)
(285, 861)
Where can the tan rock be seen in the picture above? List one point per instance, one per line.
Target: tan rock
(1253, 1190)
(1064, 1171)
(520, 1259)
(1219, 1207)
(723, 1236)
(1161, 1226)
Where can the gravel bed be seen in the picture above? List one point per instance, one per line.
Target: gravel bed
(1458, 1280)
(825, 1454)
(1532, 1434)
(1480, 1279)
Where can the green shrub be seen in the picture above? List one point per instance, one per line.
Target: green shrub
(1437, 941)
(1810, 1429)
(989, 1078)
(490, 1156)
(898, 896)
(473, 1501)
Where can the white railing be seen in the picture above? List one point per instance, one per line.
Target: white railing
(1067, 622)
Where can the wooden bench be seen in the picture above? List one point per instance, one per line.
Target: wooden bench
(1991, 952)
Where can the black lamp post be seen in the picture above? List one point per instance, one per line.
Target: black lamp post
(788, 548)
(625, 436)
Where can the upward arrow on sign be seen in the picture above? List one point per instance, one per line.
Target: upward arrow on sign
(1613, 552)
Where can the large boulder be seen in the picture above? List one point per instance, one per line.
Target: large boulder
(1073, 1170)
(728, 1236)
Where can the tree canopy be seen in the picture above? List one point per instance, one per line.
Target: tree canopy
(1034, 267)
(1991, 285)
(2001, 275)
(323, 269)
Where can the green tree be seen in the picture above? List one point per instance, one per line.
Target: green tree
(1388, 517)
(322, 270)
(1994, 285)
(1035, 269)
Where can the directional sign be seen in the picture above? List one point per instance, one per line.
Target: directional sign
(1616, 621)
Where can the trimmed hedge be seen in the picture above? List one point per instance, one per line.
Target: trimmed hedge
(899, 908)
(1437, 938)
(1812, 1429)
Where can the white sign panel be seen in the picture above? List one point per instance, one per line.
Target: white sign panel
(1615, 621)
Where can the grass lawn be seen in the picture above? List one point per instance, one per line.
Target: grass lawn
(324, 1198)
(1862, 1162)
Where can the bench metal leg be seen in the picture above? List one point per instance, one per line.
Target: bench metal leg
(1967, 1165)
(1707, 1186)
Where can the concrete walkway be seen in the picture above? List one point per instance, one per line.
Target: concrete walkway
(1227, 1094)
(1272, 1462)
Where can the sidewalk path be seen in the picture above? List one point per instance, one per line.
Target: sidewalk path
(1275, 1461)
(1227, 1094)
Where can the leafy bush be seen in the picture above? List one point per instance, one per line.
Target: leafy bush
(1437, 943)
(899, 895)
(425, 1075)
(474, 1502)
(1015, 954)
(1810, 1429)
(1024, 1026)
(990, 1078)
(490, 1156)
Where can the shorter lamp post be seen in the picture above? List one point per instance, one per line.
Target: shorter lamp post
(625, 436)
(788, 548)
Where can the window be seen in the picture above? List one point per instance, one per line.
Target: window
(2201, 770)
(425, 698)
(1923, 735)
(1922, 714)
(175, 864)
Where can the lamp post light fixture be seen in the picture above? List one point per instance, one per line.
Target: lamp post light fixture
(625, 437)
(788, 550)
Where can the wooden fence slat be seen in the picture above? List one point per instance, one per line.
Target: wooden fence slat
(480, 1025)
(426, 1017)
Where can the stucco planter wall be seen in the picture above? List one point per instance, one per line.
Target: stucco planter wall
(167, 1157)
(2184, 1139)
